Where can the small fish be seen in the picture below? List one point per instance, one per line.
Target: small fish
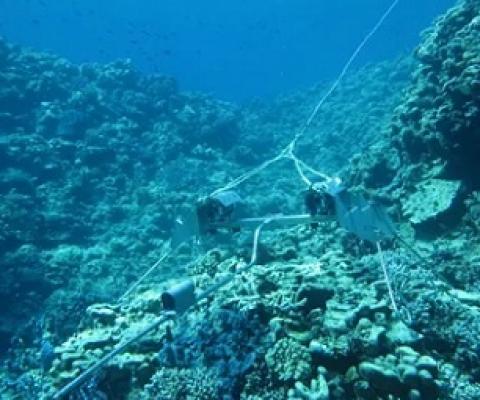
(47, 354)
(146, 33)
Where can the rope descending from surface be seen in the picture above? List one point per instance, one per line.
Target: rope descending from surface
(288, 151)
(168, 252)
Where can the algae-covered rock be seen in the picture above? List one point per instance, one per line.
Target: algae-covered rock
(317, 390)
(404, 373)
(399, 334)
(434, 200)
(102, 313)
(469, 298)
(382, 378)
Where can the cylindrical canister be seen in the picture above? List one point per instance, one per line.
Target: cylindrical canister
(179, 297)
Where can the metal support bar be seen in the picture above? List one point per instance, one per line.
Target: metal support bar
(253, 260)
(82, 378)
(279, 220)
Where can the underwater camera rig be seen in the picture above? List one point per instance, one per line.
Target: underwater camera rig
(225, 211)
(325, 202)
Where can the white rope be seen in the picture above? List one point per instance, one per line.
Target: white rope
(147, 273)
(387, 280)
(299, 164)
(237, 181)
(347, 66)
(288, 152)
(314, 172)
(300, 172)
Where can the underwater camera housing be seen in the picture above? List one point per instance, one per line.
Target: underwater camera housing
(318, 202)
(218, 211)
(180, 297)
(355, 213)
(207, 216)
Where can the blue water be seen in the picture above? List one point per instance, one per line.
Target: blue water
(235, 49)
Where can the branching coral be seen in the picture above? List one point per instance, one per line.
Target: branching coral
(289, 360)
(180, 384)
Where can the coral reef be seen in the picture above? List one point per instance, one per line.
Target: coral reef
(90, 158)
(96, 161)
(177, 384)
(431, 200)
(404, 374)
(289, 360)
